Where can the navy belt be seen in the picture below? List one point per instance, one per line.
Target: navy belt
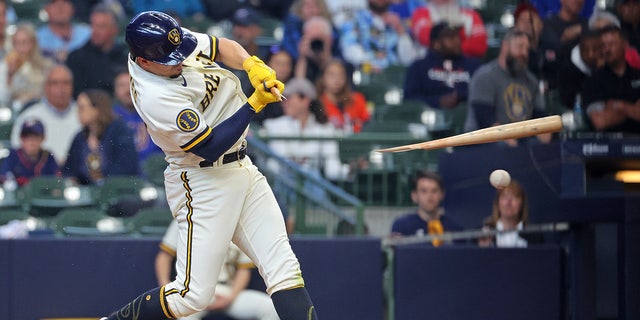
(227, 158)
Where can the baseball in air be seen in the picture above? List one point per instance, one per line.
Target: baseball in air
(499, 179)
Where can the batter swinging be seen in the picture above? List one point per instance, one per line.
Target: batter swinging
(196, 112)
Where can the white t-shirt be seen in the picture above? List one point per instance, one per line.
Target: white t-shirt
(60, 128)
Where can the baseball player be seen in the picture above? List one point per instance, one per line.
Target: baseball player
(232, 295)
(196, 112)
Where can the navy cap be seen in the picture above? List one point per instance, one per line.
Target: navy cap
(32, 127)
(246, 17)
(442, 29)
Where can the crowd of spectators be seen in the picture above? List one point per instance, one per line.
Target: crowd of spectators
(442, 46)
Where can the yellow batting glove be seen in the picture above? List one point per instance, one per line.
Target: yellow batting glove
(261, 97)
(258, 71)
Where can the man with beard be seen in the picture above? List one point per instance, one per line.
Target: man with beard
(612, 93)
(504, 90)
(441, 79)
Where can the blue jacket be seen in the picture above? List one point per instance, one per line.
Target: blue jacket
(23, 168)
(117, 155)
(428, 79)
(144, 145)
(409, 224)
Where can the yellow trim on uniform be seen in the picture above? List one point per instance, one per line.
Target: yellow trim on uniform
(170, 292)
(248, 265)
(214, 47)
(203, 135)
(187, 279)
(310, 312)
(170, 251)
(164, 305)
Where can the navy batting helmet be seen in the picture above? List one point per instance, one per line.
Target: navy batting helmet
(156, 36)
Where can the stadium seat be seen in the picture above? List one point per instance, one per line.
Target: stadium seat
(45, 196)
(152, 221)
(8, 215)
(72, 221)
(123, 196)
(153, 168)
(407, 111)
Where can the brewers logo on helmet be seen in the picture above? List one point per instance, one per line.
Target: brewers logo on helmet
(157, 37)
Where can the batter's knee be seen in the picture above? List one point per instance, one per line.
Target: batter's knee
(187, 303)
(294, 281)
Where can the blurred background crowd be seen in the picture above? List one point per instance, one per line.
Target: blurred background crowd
(359, 74)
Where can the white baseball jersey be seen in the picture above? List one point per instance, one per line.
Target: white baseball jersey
(180, 112)
(212, 205)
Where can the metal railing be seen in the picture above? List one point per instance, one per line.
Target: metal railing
(376, 179)
(313, 213)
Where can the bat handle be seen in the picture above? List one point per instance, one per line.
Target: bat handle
(274, 90)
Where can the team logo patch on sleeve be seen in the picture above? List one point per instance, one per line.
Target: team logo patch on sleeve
(188, 120)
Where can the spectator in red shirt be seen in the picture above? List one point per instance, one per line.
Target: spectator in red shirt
(346, 109)
(472, 32)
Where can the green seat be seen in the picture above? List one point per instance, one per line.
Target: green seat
(153, 168)
(407, 111)
(374, 92)
(73, 220)
(152, 221)
(123, 196)
(45, 196)
(5, 130)
(7, 215)
(386, 126)
(393, 74)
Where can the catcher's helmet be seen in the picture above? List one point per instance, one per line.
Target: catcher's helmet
(156, 36)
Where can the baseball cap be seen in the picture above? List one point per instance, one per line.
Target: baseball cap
(158, 37)
(300, 86)
(32, 127)
(442, 29)
(246, 17)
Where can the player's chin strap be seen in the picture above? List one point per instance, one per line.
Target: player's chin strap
(294, 304)
(150, 305)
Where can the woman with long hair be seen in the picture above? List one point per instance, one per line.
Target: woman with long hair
(509, 215)
(25, 67)
(104, 147)
(345, 108)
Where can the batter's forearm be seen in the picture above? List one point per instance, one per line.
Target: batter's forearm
(231, 53)
(225, 134)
